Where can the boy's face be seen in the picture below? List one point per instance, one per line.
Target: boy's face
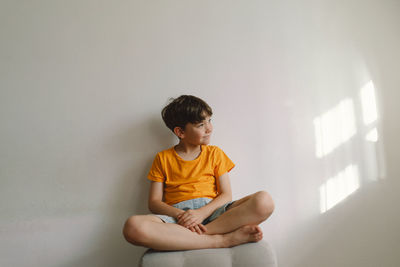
(198, 133)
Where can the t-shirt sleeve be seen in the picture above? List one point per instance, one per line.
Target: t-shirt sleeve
(156, 174)
(223, 164)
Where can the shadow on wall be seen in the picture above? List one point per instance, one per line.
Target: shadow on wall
(136, 146)
(361, 231)
(340, 127)
(355, 225)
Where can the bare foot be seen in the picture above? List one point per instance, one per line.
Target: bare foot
(244, 234)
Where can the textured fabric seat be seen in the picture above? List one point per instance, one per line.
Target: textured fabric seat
(251, 254)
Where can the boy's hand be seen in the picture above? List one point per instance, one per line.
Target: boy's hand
(200, 229)
(190, 218)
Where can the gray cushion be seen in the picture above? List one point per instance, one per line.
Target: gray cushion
(251, 254)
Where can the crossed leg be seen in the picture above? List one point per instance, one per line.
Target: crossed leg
(250, 210)
(239, 224)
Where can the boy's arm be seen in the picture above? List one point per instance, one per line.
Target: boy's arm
(155, 203)
(193, 217)
(224, 195)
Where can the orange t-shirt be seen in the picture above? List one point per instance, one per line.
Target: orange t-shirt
(184, 180)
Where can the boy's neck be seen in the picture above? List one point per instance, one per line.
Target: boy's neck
(187, 148)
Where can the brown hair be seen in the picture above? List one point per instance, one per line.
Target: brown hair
(185, 109)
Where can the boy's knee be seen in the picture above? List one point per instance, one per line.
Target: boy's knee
(263, 204)
(134, 230)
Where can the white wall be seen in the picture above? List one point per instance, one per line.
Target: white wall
(81, 89)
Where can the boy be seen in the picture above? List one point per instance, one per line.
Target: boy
(190, 192)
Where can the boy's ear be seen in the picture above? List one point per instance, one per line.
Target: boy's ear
(179, 132)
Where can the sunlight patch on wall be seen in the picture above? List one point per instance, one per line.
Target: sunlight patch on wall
(372, 135)
(368, 102)
(339, 187)
(334, 127)
(337, 126)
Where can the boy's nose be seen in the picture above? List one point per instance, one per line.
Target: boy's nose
(209, 128)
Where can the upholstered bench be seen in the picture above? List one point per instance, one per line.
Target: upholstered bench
(246, 255)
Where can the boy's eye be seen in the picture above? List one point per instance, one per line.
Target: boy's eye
(202, 124)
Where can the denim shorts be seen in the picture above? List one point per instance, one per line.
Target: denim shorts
(193, 204)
